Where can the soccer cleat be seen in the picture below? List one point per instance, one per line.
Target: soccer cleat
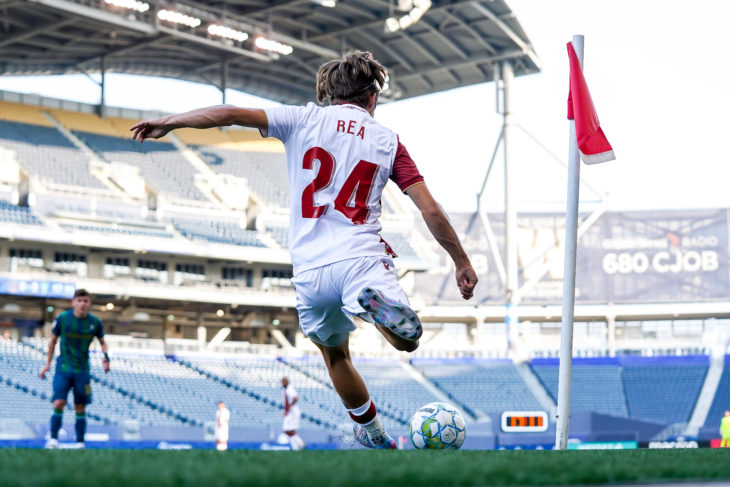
(80, 445)
(363, 438)
(397, 317)
(51, 444)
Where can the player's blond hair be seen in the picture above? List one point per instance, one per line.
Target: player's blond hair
(351, 79)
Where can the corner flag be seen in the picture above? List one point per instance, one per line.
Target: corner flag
(592, 143)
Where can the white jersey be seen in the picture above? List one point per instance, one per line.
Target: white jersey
(222, 419)
(289, 395)
(339, 160)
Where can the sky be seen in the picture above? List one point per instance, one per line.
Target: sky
(657, 75)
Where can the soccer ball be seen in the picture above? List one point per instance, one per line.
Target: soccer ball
(437, 425)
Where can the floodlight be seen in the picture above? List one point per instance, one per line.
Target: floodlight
(416, 8)
(271, 45)
(405, 22)
(178, 18)
(227, 32)
(140, 7)
(391, 24)
(416, 14)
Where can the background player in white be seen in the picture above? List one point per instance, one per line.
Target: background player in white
(291, 415)
(222, 420)
(339, 160)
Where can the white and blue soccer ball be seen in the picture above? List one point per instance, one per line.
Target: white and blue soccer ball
(437, 426)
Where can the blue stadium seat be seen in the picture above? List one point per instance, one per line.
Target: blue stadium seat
(482, 386)
(595, 384)
(721, 401)
(217, 231)
(160, 163)
(265, 172)
(18, 215)
(663, 389)
(46, 153)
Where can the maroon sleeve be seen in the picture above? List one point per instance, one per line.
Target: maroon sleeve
(405, 173)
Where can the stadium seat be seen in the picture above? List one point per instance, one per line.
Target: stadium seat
(721, 401)
(217, 231)
(265, 172)
(47, 154)
(161, 164)
(19, 215)
(596, 384)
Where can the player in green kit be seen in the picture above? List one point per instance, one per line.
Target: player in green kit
(76, 328)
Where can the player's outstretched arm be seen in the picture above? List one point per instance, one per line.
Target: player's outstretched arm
(202, 118)
(51, 349)
(441, 229)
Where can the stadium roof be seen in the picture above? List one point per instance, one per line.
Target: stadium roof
(455, 43)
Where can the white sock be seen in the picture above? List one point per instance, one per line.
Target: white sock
(376, 431)
(354, 413)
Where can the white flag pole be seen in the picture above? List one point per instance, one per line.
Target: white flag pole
(571, 247)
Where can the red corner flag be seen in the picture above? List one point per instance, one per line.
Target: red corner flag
(592, 143)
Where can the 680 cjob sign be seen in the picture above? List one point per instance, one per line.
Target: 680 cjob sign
(624, 257)
(655, 256)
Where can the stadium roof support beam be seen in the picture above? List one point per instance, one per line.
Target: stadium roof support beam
(202, 40)
(445, 40)
(360, 11)
(380, 20)
(445, 51)
(123, 50)
(19, 36)
(510, 210)
(102, 88)
(458, 64)
(247, 23)
(279, 6)
(488, 47)
(526, 48)
(417, 46)
(306, 46)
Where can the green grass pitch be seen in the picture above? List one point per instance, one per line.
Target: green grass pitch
(132, 468)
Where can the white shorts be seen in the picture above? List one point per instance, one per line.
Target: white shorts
(221, 434)
(327, 295)
(291, 421)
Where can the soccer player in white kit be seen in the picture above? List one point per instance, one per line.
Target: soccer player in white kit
(339, 160)
(291, 415)
(222, 420)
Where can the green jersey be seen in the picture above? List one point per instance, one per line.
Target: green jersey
(76, 335)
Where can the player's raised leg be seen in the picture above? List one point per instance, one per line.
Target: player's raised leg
(348, 383)
(372, 292)
(394, 316)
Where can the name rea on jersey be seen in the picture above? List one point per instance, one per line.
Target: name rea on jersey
(350, 129)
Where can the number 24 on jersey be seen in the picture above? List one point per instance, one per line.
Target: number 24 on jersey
(360, 181)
